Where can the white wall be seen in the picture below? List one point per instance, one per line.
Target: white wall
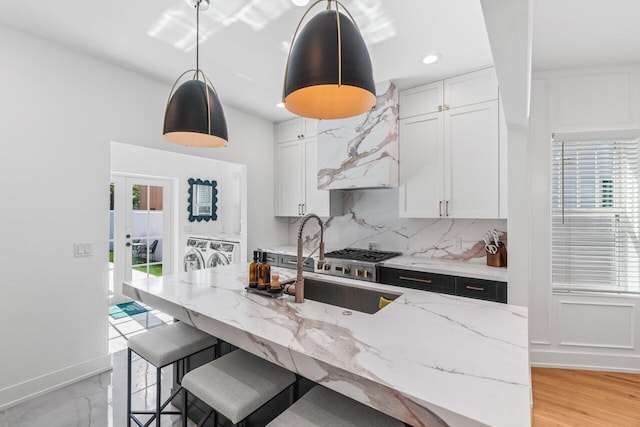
(572, 330)
(60, 109)
(509, 26)
(132, 159)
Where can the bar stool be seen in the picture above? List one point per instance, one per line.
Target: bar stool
(322, 407)
(236, 385)
(162, 347)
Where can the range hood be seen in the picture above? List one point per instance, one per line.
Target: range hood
(362, 151)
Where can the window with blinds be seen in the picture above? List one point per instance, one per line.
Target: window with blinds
(596, 216)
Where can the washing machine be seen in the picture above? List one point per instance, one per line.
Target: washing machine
(209, 252)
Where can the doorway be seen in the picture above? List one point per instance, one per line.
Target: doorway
(140, 239)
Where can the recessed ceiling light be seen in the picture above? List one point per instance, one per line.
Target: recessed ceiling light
(300, 2)
(280, 105)
(431, 58)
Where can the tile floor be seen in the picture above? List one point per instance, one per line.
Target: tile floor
(101, 401)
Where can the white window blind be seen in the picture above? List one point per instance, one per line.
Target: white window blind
(596, 216)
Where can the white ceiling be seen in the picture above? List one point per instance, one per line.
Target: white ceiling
(241, 40)
(579, 33)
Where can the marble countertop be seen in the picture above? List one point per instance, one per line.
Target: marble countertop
(428, 265)
(447, 266)
(427, 359)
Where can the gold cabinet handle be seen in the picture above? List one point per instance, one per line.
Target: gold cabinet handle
(474, 288)
(446, 106)
(439, 107)
(415, 279)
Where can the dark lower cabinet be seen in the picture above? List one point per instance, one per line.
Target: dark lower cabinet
(418, 280)
(481, 289)
(272, 259)
(291, 261)
(445, 284)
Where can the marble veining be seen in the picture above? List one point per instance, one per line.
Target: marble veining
(361, 151)
(427, 359)
(371, 217)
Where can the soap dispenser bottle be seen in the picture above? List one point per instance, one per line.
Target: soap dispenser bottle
(264, 273)
(253, 270)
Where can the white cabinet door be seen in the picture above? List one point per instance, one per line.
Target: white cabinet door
(471, 88)
(421, 100)
(290, 178)
(472, 161)
(289, 131)
(296, 129)
(316, 201)
(308, 127)
(421, 166)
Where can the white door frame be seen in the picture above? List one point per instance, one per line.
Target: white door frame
(123, 212)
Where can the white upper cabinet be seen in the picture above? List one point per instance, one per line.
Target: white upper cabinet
(422, 166)
(470, 88)
(297, 172)
(316, 201)
(289, 178)
(421, 100)
(296, 129)
(472, 159)
(450, 159)
(459, 91)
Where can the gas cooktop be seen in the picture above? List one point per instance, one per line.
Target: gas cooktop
(365, 255)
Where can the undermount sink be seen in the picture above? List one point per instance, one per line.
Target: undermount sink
(345, 296)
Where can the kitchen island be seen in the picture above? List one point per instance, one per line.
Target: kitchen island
(427, 359)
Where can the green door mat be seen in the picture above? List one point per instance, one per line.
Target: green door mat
(118, 311)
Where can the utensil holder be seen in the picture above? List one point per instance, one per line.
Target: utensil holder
(499, 259)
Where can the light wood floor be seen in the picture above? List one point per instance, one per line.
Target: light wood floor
(563, 397)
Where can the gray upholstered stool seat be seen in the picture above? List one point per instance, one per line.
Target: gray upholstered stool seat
(237, 384)
(161, 347)
(170, 343)
(322, 407)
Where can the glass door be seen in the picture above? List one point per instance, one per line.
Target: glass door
(140, 244)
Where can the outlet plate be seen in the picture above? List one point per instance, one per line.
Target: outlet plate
(457, 243)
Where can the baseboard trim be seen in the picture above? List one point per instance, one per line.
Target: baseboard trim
(26, 390)
(586, 361)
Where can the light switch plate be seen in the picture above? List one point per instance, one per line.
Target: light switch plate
(82, 249)
(457, 243)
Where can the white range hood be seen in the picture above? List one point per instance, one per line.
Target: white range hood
(361, 151)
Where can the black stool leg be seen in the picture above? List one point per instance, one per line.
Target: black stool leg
(158, 393)
(184, 407)
(296, 389)
(129, 387)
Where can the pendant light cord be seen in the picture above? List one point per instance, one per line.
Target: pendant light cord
(198, 36)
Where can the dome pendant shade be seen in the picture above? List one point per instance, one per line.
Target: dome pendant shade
(188, 121)
(312, 86)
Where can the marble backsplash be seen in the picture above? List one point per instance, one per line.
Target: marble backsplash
(371, 218)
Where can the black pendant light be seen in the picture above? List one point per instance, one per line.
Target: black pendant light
(328, 73)
(194, 115)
